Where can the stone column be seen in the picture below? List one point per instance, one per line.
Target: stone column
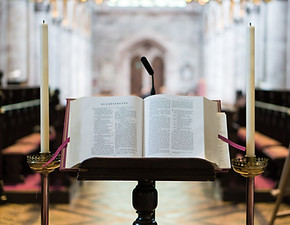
(288, 48)
(16, 40)
(30, 42)
(3, 48)
(275, 61)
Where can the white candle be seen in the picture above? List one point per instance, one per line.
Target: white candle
(250, 97)
(44, 91)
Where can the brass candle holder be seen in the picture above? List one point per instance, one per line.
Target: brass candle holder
(249, 166)
(37, 163)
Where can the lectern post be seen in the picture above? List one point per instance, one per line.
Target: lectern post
(144, 200)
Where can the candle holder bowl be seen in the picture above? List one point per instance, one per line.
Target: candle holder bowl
(37, 161)
(249, 166)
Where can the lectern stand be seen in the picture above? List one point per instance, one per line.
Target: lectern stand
(146, 171)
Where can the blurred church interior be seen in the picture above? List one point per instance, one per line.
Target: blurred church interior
(195, 47)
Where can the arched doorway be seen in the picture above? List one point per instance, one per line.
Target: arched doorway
(140, 80)
(158, 66)
(136, 76)
(130, 69)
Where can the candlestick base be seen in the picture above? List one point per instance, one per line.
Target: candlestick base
(37, 161)
(249, 166)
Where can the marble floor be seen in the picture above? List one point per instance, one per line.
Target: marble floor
(103, 202)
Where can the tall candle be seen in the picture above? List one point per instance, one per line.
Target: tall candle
(250, 97)
(44, 91)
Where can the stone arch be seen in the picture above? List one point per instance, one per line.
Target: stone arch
(158, 64)
(136, 76)
(158, 51)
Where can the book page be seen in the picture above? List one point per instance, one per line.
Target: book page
(223, 147)
(74, 146)
(105, 127)
(210, 130)
(173, 126)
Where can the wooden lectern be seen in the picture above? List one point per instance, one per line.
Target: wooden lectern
(146, 171)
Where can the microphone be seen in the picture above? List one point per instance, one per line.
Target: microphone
(149, 69)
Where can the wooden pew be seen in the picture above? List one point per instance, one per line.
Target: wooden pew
(19, 136)
(20, 115)
(282, 191)
(272, 137)
(272, 119)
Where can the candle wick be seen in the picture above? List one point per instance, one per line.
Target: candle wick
(250, 24)
(43, 21)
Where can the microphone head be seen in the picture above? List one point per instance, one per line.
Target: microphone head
(147, 66)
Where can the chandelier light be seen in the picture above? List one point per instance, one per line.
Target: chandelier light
(173, 3)
(203, 2)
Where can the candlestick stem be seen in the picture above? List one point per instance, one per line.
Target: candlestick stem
(37, 162)
(250, 200)
(45, 199)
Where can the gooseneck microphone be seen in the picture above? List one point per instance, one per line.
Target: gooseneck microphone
(149, 69)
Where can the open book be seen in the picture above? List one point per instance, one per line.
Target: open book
(157, 126)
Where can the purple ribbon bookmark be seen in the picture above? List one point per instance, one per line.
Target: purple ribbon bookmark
(57, 151)
(231, 143)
